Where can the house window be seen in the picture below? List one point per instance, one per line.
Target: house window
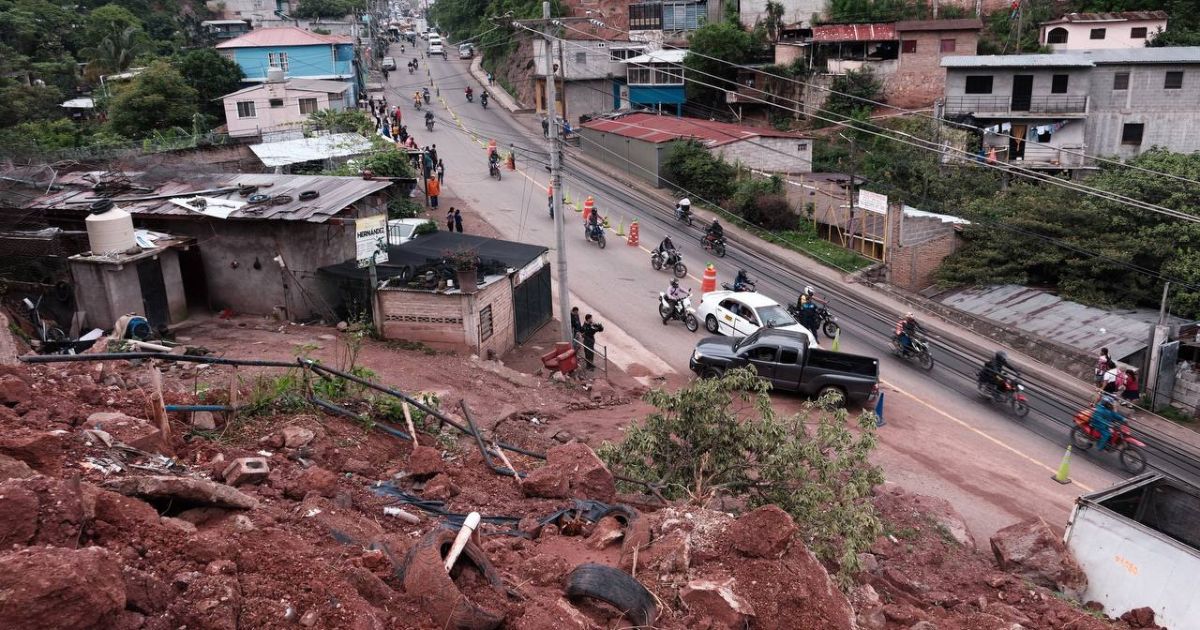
(278, 60)
(802, 147)
(1057, 35)
(683, 16)
(276, 102)
(581, 57)
(485, 323)
(639, 76)
(1098, 33)
(1131, 133)
(621, 54)
(979, 84)
(1058, 84)
(948, 45)
(1121, 81)
(908, 46)
(1137, 32)
(245, 109)
(645, 17)
(308, 106)
(1174, 80)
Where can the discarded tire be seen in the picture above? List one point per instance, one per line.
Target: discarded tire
(280, 200)
(615, 588)
(424, 576)
(309, 194)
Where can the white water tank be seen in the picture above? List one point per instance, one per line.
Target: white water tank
(275, 75)
(110, 229)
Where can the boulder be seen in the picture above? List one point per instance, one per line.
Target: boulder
(136, 432)
(295, 437)
(671, 554)
(185, 491)
(13, 468)
(540, 614)
(1140, 618)
(318, 480)
(1031, 551)
(946, 518)
(18, 514)
(717, 600)
(868, 607)
(43, 452)
(608, 531)
(13, 390)
(204, 421)
(546, 482)
(441, 488)
(59, 508)
(587, 476)
(145, 592)
(425, 462)
(54, 587)
(765, 532)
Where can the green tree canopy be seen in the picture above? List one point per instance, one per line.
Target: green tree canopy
(327, 8)
(107, 21)
(722, 43)
(157, 100)
(211, 76)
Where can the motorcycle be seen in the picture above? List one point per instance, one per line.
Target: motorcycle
(683, 215)
(672, 260)
(745, 287)
(425, 95)
(470, 97)
(919, 351)
(826, 322)
(715, 245)
(1128, 448)
(683, 311)
(594, 234)
(483, 100)
(1010, 392)
(417, 103)
(429, 124)
(494, 170)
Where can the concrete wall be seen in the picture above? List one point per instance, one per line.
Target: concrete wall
(589, 97)
(1117, 34)
(919, 79)
(106, 291)
(1171, 117)
(596, 63)
(635, 158)
(499, 296)
(450, 321)
(1078, 83)
(173, 279)
(267, 118)
(919, 246)
(774, 155)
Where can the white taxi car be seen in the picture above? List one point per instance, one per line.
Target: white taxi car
(739, 314)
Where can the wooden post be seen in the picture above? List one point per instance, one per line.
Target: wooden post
(159, 409)
(409, 421)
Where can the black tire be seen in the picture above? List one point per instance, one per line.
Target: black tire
(711, 325)
(602, 242)
(615, 588)
(691, 322)
(712, 372)
(828, 390)
(664, 311)
(983, 389)
(680, 270)
(1133, 460)
(425, 578)
(1020, 408)
(656, 262)
(830, 328)
(719, 250)
(1080, 440)
(925, 360)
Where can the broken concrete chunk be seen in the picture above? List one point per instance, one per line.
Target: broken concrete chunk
(246, 470)
(188, 491)
(1031, 551)
(717, 600)
(204, 421)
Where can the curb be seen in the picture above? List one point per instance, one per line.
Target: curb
(499, 96)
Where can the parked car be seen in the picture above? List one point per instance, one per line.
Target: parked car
(389, 64)
(739, 314)
(787, 361)
(466, 51)
(401, 231)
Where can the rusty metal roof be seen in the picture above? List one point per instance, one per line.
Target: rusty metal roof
(335, 195)
(657, 129)
(854, 33)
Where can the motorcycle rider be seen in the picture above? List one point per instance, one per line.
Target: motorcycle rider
(675, 295)
(470, 93)
(417, 99)
(428, 118)
(425, 94)
(683, 208)
(741, 282)
(993, 370)
(593, 224)
(483, 98)
(665, 250)
(807, 314)
(714, 231)
(1103, 419)
(493, 161)
(906, 329)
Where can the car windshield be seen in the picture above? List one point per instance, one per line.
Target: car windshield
(775, 316)
(747, 340)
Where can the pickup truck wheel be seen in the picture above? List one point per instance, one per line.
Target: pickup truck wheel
(835, 391)
(711, 325)
(713, 372)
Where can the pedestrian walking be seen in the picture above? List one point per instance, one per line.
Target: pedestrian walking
(433, 156)
(1131, 392)
(546, 126)
(450, 219)
(441, 172)
(403, 137)
(458, 221)
(385, 75)
(1110, 378)
(489, 77)
(432, 190)
(588, 330)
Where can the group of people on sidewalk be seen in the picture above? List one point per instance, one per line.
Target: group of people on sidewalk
(583, 333)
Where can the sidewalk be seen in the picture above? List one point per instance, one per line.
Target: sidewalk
(499, 95)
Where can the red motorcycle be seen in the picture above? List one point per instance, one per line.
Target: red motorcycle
(1129, 449)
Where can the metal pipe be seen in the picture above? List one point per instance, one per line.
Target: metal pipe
(130, 356)
(487, 459)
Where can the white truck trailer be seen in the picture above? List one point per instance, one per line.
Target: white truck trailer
(1139, 543)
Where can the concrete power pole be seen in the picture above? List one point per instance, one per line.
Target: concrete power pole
(560, 240)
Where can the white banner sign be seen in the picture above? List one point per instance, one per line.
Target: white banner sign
(873, 202)
(370, 238)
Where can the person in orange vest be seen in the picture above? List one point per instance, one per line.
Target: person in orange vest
(432, 190)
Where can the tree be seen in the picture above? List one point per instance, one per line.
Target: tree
(108, 21)
(115, 53)
(774, 21)
(850, 93)
(342, 121)
(698, 444)
(157, 100)
(691, 167)
(327, 8)
(19, 102)
(722, 44)
(211, 76)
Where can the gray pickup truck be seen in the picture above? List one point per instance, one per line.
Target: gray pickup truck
(785, 360)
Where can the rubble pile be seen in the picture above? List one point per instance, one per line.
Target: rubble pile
(109, 518)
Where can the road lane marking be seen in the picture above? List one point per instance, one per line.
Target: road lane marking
(982, 433)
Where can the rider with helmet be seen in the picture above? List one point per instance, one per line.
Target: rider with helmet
(714, 231)
(1103, 419)
(593, 224)
(425, 94)
(993, 369)
(675, 295)
(470, 93)
(428, 117)
(906, 329)
(666, 250)
(483, 98)
(683, 209)
(742, 281)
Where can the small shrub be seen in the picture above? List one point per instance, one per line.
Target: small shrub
(690, 166)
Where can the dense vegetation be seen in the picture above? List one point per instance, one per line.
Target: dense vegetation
(475, 20)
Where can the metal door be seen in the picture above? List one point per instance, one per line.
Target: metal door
(154, 293)
(532, 304)
(1022, 93)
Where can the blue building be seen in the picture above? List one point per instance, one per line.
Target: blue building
(655, 81)
(301, 54)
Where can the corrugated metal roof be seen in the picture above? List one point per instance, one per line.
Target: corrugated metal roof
(854, 32)
(673, 55)
(1166, 55)
(1120, 16)
(1050, 317)
(288, 152)
(299, 85)
(658, 129)
(282, 36)
(964, 24)
(1017, 61)
(336, 193)
(1080, 58)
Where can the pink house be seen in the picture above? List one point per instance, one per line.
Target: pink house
(278, 104)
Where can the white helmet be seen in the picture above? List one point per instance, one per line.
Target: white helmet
(685, 202)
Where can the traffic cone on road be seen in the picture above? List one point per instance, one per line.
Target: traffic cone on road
(709, 281)
(1064, 468)
(837, 342)
(633, 233)
(621, 227)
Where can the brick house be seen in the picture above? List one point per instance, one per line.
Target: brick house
(921, 241)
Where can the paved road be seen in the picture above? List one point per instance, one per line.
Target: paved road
(941, 439)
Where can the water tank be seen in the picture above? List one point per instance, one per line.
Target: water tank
(275, 75)
(109, 228)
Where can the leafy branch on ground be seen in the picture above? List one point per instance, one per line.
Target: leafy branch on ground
(721, 437)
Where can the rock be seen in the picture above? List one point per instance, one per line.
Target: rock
(671, 554)
(204, 421)
(54, 587)
(717, 600)
(868, 607)
(242, 523)
(1140, 618)
(18, 514)
(1008, 613)
(202, 516)
(923, 625)
(608, 531)
(540, 614)
(587, 476)
(547, 483)
(1031, 551)
(563, 436)
(868, 563)
(440, 488)
(318, 480)
(900, 613)
(558, 377)
(357, 467)
(946, 518)
(43, 452)
(295, 437)
(530, 526)
(425, 462)
(179, 524)
(61, 511)
(13, 390)
(246, 470)
(145, 592)
(12, 468)
(185, 490)
(343, 326)
(765, 532)
(902, 581)
(136, 432)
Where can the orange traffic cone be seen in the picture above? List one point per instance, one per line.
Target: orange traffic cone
(709, 281)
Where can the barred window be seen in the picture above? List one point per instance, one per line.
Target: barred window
(485, 323)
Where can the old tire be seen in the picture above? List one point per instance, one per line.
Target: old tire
(615, 588)
(1133, 460)
(833, 390)
(1080, 440)
(691, 322)
(425, 578)
(680, 270)
(712, 372)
